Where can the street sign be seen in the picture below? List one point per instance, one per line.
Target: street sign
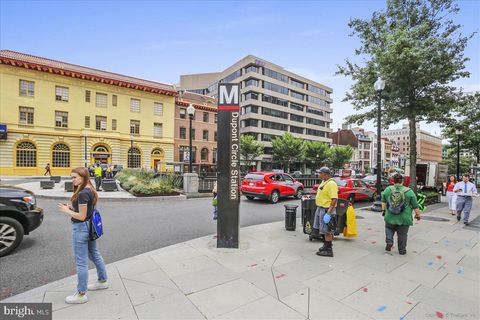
(228, 128)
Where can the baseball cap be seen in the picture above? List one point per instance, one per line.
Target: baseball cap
(325, 170)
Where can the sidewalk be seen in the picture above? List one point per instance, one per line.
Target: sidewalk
(276, 275)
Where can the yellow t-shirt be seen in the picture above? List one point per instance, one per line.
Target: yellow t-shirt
(327, 190)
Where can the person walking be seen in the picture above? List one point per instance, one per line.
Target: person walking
(452, 196)
(398, 203)
(83, 202)
(465, 190)
(97, 173)
(47, 170)
(326, 201)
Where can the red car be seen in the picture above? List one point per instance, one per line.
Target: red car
(271, 186)
(353, 189)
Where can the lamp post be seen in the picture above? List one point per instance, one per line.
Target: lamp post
(85, 151)
(458, 133)
(379, 86)
(191, 114)
(130, 151)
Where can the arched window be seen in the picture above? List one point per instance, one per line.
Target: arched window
(100, 149)
(204, 154)
(26, 154)
(157, 152)
(134, 158)
(61, 156)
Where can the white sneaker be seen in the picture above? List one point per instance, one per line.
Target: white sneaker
(76, 298)
(98, 286)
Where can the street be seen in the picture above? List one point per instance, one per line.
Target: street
(131, 228)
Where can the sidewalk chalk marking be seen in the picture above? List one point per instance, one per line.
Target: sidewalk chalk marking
(253, 265)
(439, 314)
(382, 308)
(430, 263)
(373, 242)
(460, 271)
(365, 289)
(439, 257)
(281, 275)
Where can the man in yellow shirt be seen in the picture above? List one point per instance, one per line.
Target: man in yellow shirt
(326, 201)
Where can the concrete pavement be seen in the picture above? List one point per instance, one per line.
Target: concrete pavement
(275, 274)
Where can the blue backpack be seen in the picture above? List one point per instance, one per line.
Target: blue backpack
(96, 227)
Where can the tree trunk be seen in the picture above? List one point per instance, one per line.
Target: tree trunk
(413, 152)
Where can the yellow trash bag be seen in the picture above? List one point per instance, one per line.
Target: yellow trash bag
(350, 230)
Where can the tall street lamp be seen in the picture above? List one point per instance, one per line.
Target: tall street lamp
(85, 151)
(458, 133)
(379, 86)
(130, 152)
(191, 114)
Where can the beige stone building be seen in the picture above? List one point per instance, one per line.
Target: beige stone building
(273, 101)
(204, 132)
(429, 146)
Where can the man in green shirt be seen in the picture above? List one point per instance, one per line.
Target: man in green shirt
(398, 203)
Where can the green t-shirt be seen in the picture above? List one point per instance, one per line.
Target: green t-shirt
(405, 218)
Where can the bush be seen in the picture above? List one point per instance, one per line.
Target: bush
(143, 183)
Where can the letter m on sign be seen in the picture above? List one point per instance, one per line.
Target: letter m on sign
(228, 96)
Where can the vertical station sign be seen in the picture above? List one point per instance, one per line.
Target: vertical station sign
(228, 166)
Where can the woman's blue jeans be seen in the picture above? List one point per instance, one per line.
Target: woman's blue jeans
(84, 248)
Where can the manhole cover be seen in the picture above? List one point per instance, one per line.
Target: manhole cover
(430, 218)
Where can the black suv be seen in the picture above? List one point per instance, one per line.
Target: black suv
(19, 215)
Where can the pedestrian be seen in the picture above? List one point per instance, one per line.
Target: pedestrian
(452, 196)
(326, 201)
(97, 172)
(109, 172)
(47, 170)
(398, 203)
(465, 190)
(215, 201)
(83, 201)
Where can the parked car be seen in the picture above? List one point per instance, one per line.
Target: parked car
(296, 174)
(19, 216)
(371, 180)
(270, 186)
(353, 189)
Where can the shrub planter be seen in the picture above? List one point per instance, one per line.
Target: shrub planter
(56, 179)
(47, 184)
(69, 186)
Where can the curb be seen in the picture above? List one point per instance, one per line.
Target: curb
(180, 197)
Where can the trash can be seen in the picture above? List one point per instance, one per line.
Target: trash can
(290, 217)
(308, 212)
(341, 215)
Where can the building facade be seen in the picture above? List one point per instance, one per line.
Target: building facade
(204, 132)
(70, 116)
(273, 101)
(429, 146)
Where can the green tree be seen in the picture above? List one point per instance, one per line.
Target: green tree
(418, 50)
(317, 153)
(249, 150)
(340, 155)
(468, 122)
(288, 149)
(451, 161)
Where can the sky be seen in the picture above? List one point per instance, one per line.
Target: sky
(160, 40)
